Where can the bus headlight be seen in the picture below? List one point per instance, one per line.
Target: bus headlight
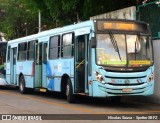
(150, 78)
(99, 77)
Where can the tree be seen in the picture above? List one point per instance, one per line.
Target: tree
(17, 18)
(65, 12)
(20, 17)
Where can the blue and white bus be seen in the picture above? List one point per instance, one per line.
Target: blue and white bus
(97, 58)
(3, 47)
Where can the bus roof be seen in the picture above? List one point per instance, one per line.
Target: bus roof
(65, 29)
(54, 31)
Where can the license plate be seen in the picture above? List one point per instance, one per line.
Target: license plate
(127, 90)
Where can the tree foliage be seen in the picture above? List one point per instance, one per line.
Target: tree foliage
(20, 17)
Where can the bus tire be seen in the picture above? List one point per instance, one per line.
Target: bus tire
(22, 87)
(69, 92)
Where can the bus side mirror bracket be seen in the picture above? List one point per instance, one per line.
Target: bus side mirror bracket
(93, 42)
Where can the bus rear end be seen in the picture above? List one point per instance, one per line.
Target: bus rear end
(3, 46)
(124, 59)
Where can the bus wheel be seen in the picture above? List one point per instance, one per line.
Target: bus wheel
(22, 87)
(69, 92)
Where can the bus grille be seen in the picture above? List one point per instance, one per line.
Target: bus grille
(132, 84)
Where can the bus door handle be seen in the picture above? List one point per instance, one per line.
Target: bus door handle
(80, 64)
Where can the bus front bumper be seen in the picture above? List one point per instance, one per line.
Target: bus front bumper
(106, 90)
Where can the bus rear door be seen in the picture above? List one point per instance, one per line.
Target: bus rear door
(38, 65)
(44, 64)
(40, 61)
(13, 65)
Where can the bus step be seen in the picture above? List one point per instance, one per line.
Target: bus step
(82, 94)
(41, 89)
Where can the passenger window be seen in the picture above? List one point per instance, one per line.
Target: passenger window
(22, 48)
(81, 48)
(54, 47)
(8, 55)
(30, 50)
(67, 45)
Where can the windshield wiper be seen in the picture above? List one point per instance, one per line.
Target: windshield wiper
(114, 43)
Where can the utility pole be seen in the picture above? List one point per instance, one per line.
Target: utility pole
(39, 21)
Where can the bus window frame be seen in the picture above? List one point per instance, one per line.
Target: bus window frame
(72, 45)
(34, 41)
(59, 46)
(124, 68)
(8, 53)
(45, 54)
(22, 51)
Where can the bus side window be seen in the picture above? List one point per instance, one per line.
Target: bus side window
(2, 57)
(81, 48)
(54, 47)
(45, 53)
(30, 50)
(22, 51)
(67, 45)
(14, 55)
(8, 55)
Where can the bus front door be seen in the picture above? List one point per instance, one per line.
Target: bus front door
(38, 65)
(13, 65)
(81, 64)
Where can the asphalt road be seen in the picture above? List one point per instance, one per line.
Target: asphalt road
(12, 102)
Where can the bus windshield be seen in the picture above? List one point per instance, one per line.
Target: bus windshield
(116, 49)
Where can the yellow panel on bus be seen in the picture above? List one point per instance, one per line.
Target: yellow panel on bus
(120, 26)
(139, 62)
(123, 62)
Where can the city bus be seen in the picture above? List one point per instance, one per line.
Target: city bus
(97, 58)
(3, 47)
